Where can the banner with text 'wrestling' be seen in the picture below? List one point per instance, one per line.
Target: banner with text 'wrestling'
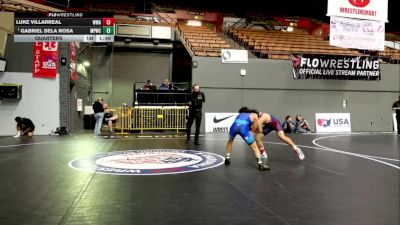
(309, 66)
(360, 9)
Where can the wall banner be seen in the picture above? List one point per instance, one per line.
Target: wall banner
(358, 34)
(332, 122)
(360, 9)
(234, 56)
(45, 59)
(72, 63)
(335, 67)
(219, 122)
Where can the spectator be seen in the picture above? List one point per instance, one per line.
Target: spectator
(288, 125)
(165, 86)
(25, 126)
(302, 125)
(396, 107)
(149, 86)
(98, 109)
(109, 117)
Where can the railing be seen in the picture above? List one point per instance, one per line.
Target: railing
(147, 97)
(171, 20)
(151, 118)
(176, 95)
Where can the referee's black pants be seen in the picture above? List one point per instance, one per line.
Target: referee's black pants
(398, 123)
(192, 116)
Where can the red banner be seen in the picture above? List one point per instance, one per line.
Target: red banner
(72, 64)
(45, 59)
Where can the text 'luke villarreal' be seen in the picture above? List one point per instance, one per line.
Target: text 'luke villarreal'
(37, 22)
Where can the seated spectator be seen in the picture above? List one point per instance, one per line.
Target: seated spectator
(149, 86)
(25, 126)
(288, 125)
(302, 125)
(165, 86)
(109, 117)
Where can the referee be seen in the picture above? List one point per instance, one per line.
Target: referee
(195, 104)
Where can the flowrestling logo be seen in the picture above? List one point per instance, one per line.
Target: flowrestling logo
(148, 162)
(309, 66)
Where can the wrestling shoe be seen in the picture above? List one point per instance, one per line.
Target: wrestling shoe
(227, 161)
(263, 155)
(263, 167)
(299, 153)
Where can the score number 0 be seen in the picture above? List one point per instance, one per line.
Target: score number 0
(108, 26)
(108, 21)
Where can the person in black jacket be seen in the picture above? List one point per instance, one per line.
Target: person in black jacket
(25, 126)
(195, 105)
(396, 107)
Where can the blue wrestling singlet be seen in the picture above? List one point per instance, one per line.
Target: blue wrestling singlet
(241, 126)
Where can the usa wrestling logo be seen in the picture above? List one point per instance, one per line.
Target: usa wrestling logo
(148, 162)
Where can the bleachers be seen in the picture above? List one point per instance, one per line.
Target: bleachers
(279, 45)
(390, 55)
(202, 40)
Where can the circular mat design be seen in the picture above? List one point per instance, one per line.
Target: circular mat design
(148, 162)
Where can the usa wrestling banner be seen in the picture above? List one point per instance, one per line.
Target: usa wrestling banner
(309, 66)
(45, 59)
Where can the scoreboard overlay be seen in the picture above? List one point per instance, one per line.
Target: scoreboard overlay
(63, 27)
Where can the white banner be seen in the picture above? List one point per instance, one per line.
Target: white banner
(219, 122)
(355, 33)
(234, 56)
(79, 105)
(360, 9)
(332, 122)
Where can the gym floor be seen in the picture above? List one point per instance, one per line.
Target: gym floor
(345, 179)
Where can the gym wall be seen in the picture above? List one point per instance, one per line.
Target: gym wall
(269, 86)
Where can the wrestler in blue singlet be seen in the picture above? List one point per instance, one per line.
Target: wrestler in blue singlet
(241, 126)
